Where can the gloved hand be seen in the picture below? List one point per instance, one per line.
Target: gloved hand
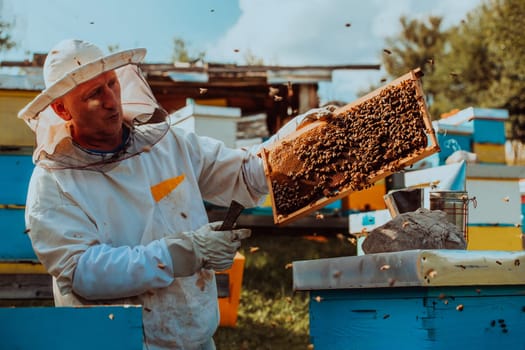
(301, 120)
(204, 248)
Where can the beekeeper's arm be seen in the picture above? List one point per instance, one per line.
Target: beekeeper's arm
(65, 241)
(225, 175)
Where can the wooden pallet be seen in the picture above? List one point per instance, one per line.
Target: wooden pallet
(388, 169)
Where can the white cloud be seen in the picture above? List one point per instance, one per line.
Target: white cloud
(298, 32)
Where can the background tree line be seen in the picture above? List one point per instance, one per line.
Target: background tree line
(475, 63)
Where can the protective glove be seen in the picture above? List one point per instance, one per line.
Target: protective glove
(300, 121)
(204, 248)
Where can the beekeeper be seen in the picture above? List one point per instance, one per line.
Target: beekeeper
(115, 206)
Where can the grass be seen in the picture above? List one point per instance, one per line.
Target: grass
(270, 314)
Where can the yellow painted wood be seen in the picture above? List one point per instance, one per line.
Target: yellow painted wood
(368, 199)
(494, 238)
(489, 152)
(228, 307)
(14, 131)
(21, 268)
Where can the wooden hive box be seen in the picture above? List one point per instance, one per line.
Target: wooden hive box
(361, 143)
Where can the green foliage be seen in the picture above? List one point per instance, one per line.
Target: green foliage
(416, 47)
(6, 42)
(181, 52)
(477, 63)
(271, 315)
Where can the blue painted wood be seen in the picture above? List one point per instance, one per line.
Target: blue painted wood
(15, 172)
(450, 143)
(489, 131)
(483, 317)
(14, 242)
(83, 328)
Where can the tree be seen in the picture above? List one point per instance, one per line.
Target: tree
(181, 53)
(477, 62)
(6, 42)
(418, 45)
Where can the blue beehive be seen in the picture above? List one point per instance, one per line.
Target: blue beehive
(488, 124)
(14, 180)
(415, 299)
(452, 138)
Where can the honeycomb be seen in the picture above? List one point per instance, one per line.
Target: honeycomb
(348, 150)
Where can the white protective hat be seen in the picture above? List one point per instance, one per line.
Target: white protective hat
(73, 62)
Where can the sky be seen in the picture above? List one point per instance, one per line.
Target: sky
(281, 32)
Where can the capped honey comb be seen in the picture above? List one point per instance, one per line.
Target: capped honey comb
(357, 145)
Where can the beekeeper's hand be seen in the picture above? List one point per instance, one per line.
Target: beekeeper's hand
(301, 120)
(204, 248)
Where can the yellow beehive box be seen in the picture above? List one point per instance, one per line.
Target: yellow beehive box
(367, 199)
(14, 131)
(229, 305)
(494, 238)
(489, 152)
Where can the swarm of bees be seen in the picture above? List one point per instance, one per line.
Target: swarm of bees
(349, 148)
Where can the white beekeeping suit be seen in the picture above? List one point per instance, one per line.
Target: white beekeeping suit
(128, 227)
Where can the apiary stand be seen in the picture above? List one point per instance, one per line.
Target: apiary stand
(417, 299)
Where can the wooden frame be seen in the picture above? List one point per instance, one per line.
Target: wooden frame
(431, 148)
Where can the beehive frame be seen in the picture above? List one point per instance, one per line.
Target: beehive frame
(431, 147)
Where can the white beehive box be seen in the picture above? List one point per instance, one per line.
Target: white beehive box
(223, 123)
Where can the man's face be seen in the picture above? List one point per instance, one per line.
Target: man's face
(95, 111)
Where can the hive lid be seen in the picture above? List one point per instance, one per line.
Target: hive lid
(423, 268)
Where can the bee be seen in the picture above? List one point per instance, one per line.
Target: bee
(111, 316)
(388, 52)
(391, 282)
(431, 273)
(384, 267)
(273, 91)
(161, 266)
(236, 50)
(183, 215)
(318, 299)
(506, 199)
(459, 307)
(337, 274)
(288, 266)
(253, 249)
(202, 91)
(347, 25)
(277, 98)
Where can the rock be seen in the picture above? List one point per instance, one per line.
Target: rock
(420, 229)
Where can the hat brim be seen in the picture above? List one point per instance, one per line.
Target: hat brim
(78, 76)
